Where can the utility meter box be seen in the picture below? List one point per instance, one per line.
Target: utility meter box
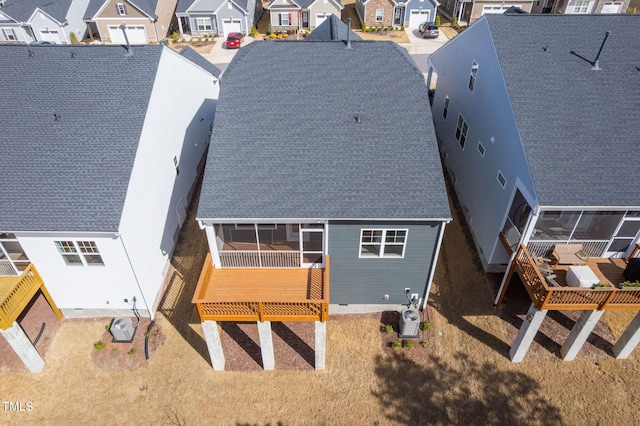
(409, 323)
(122, 330)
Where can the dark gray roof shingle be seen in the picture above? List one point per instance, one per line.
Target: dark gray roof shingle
(332, 29)
(200, 61)
(21, 10)
(147, 6)
(291, 147)
(71, 174)
(579, 127)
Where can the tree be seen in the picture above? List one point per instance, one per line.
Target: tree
(73, 38)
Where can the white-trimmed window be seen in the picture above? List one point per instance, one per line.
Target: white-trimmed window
(81, 253)
(445, 111)
(481, 148)
(581, 6)
(383, 242)
(379, 15)
(9, 34)
(284, 19)
(501, 179)
(203, 24)
(461, 131)
(121, 9)
(472, 77)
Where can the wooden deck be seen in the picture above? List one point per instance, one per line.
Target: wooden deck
(545, 297)
(262, 294)
(16, 292)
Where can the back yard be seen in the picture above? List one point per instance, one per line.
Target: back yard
(464, 376)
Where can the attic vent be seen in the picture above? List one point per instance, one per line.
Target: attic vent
(56, 117)
(74, 54)
(546, 47)
(30, 53)
(357, 118)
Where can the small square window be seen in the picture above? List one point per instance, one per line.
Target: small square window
(481, 149)
(501, 179)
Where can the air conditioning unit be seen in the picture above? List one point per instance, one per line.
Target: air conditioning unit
(122, 330)
(409, 323)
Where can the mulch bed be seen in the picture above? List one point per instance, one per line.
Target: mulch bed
(422, 345)
(127, 356)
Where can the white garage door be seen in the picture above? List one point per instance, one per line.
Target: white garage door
(320, 18)
(611, 7)
(231, 26)
(136, 34)
(417, 17)
(499, 8)
(51, 36)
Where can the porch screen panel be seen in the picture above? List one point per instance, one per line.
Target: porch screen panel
(555, 225)
(597, 225)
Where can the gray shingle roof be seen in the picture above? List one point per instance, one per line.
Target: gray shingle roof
(21, 10)
(71, 174)
(291, 147)
(147, 6)
(200, 61)
(332, 29)
(579, 127)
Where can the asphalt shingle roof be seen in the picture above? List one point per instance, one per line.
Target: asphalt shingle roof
(579, 127)
(291, 147)
(21, 10)
(71, 174)
(200, 61)
(330, 30)
(147, 6)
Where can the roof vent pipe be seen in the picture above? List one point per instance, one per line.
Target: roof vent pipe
(596, 64)
(348, 34)
(123, 27)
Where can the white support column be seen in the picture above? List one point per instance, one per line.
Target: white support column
(266, 345)
(180, 26)
(579, 334)
(527, 332)
(321, 344)
(23, 347)
(214, 344)
(629, 339)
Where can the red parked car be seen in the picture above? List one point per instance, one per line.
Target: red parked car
(233, 40)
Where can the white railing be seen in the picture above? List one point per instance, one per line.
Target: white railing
(543, 248)
(263, 259)
(6, 268)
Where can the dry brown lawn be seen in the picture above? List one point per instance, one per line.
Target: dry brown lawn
(465, 376)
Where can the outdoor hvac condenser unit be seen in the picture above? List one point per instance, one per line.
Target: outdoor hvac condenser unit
(122, 330)
(409, 323)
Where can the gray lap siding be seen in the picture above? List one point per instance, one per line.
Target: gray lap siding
(356, 280)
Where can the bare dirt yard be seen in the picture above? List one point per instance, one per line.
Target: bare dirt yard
(462, 376)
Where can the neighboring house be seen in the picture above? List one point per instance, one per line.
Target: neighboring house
(301, 14)
(532, 155)
(537, 125)
(221, 17)
(580, 6)
(410, 13)
(319, 180)
(332, 29)
(144, 20)
(42, 20)
(466, 12)
(98, 173)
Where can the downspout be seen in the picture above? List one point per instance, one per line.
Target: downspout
(434, 261)
(144, 299)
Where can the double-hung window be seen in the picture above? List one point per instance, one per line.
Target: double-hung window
(284, 19)
(80, 253)
(9, 34)
(121, 9)
(461, 131)
(203, 24)
(474, 74)
(445, 111)
(379, 15)
(581, 7)
(383, 242)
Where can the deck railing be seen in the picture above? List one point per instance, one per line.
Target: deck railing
(18, 295)
(310, 309)
(543, 248)
(262, 259)
(571, 298)
(6, 268)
